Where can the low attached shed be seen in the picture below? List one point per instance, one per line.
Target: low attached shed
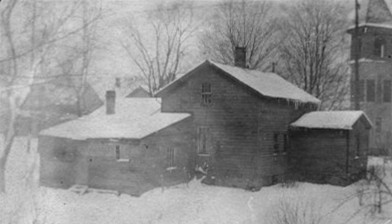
(329, 146)
(132, 149)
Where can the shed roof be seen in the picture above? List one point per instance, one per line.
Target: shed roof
(331, 120)
(135, 118)
(264, 83)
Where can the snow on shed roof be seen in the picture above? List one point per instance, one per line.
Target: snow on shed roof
(267, 84)
(135, 118)
(331, 120)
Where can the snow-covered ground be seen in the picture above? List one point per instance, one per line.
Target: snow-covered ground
(186, 203)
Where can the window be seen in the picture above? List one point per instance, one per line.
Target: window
(370, 90)
(206, 94)
(379, 47)
(286, 142)
(171, 157)
(378, 124)
(280, 142)
(387, 91)
(117, 152)
(121, 155)
(202, 144)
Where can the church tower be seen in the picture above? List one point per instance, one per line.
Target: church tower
(373, 45)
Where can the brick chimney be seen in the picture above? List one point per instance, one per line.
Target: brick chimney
(110, 102)
(240, 57)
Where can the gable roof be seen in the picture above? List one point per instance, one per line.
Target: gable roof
(57, 95)
(140, 91)
(265, 84)
(134, 118)
(331, 120)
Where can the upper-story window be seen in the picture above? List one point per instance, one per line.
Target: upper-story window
(379, 47)
(370, 90)
(206, 93)
(118, 152)
(171, 159)
(387, 91)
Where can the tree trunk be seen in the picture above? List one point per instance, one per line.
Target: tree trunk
(2, 175)
(3, 162)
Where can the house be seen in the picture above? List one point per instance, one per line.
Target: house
(234, 125)
(241, 120)
(54, 102)
(140, 91)
(329, 146)
(130, 146)
(374, 50)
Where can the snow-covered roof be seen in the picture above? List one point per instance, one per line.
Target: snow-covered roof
(331, 120)
(265, 83)
(134, 118)
(141, 90)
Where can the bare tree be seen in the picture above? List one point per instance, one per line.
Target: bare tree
(25, 54)
(242, 24)
(313, 53)
(78, 55)
(158, 53)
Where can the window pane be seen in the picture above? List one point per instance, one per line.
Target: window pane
(378, 124)
(206, 88)
(387, 91)
(379, 47)
(203, 134)
(370, 90)
(117, 152)
(206, 94)
(286, 142)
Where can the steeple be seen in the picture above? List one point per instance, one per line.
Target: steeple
(371, 77)
(379, 12)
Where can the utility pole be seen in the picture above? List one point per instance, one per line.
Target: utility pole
(356, 58)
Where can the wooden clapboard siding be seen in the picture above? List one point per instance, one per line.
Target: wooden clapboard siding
(329, 155)
(358, 160)
(67, 162)
(238, 120)
(318, 154)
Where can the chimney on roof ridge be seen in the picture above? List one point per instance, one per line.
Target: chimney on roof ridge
(110, 102)
(240, 57)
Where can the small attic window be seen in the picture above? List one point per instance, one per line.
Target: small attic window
(206, 93)
(379, 47)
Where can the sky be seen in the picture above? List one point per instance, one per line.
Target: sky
(113, 61)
